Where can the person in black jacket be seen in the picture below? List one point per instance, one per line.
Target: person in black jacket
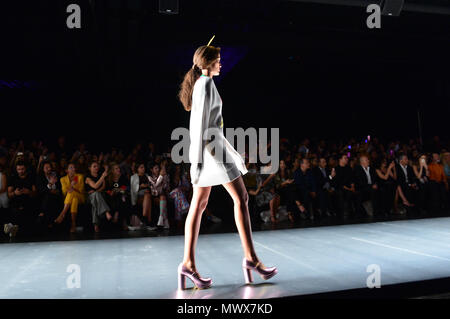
(22, 195)
(366, 187)
(323, 175)
(306, 188)
(406, 181)
(344, 184)
(50, 195)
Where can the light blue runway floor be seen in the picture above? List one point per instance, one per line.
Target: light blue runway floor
(309, 260)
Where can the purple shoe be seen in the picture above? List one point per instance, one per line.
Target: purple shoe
(265, 273)
(199, 282)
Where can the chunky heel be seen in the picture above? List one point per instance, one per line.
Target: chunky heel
(181, 282)
(248, 275)
(199, 282)
(265, 273)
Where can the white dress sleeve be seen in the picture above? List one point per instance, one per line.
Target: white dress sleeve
(199, 122)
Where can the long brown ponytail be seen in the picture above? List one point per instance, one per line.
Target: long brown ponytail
(204, 57)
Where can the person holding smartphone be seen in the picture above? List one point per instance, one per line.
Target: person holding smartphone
(21, 192)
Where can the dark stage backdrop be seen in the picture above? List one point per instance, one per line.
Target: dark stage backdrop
(311, 70)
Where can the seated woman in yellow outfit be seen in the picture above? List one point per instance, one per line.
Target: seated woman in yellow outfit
(73, 192)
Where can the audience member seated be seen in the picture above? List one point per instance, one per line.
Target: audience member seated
(325, 191)
(446, 163)
(265, 195)
(422, 174)
(141, 195)
(95, 185)
(438, 183)
(366, 187)
(306, 190)
(181, 187)
(72, 186)
(344, 184)
(285, 188)
(49, 194)
(4, 200)
(22, 193)
(118, 196)
(159, 186)
(407, 187)
(387, 182)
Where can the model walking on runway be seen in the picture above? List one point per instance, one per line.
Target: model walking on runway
(199, 95)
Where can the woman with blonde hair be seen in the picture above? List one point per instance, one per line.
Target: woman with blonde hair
(199, 95)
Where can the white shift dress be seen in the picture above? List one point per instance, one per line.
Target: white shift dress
(206, 113)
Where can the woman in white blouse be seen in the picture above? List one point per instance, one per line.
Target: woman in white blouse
(199, 95)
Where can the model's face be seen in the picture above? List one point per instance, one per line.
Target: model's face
(215, 67)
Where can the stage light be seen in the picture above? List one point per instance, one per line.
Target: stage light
(168, 6)
(392, 7)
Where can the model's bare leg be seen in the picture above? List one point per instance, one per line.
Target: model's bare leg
(238, 192)
(198, 204)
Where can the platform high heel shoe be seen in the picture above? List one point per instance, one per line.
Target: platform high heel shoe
(265, 273)
(199, 282)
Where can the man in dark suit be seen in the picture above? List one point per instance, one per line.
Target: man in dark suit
(407, 181)
(344, 184)
(50, 195)
(366, 187)
(323, 175)
(305, 188)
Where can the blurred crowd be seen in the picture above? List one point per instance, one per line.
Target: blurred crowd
(354, 178)
(61, 188)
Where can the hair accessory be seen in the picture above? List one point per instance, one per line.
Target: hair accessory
(210, 40)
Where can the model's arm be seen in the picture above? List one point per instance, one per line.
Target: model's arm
(199, 123)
